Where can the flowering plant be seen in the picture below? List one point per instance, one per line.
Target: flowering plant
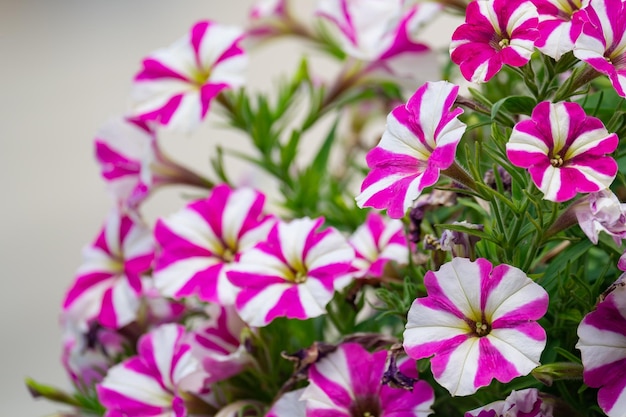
(463, 259)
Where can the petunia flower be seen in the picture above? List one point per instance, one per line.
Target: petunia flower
(564, 150)
(156, 382)
(419, 141)
(201, 242)
(108, 285)
(495, 33)
(381, 34)
(216, 343)
(602, 344)
(288, 405)
(479, 323)
(347, 383)
(176, 85)
(558, 29)
(293, 274)
(525, 403)
(132, 163)
(602, 212)
(602, 43)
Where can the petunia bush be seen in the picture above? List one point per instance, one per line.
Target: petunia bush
(423, 231)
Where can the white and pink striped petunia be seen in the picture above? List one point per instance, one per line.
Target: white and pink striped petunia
(176, 85)
(201, 242)
(347, 383)
(564, 150)
(108, 286)
(382, 34)
(495, 33)
(479, 322)
(602, 344)
(132, 163)
(216, 343)
(419, 141)
(558, 29)
(524, 403)
(602, 43)
(293, 274)
(602, 212)
(377, 242)
(154, 382)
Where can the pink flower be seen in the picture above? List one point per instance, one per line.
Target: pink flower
(377, 242)
(602, 43)
(495, 33)
(293, 274)
(602, 344)
(108, 285)
(154, 382)
(269, 18)
(602, 212)
(202, 241)
(564, 150)
(524, 403)
(347, 383)
(216, 343)
(420, 140)
(176, 85)
(132, 163)
(478, 322)
(382, 34)
(558, 30)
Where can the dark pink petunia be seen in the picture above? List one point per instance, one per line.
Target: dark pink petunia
(347, 383)
(495, 33)
(602, 344)
(108, 287)
(176, 85)
(602, 43)
(564, 150)
(293, 274)
(479, 322)
(202, 241)
(419, 141)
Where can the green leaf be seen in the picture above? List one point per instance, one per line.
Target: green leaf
(514, 105)
(551, 274)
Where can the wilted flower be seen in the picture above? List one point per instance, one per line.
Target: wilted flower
(524, 403)
(602, 212)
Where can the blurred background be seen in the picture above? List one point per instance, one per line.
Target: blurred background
(66, 68)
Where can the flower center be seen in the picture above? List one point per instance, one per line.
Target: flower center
(365, 406)
(504, 43)
(482, 329)
(199, 76)
(299, 277)
(228, 255)
(556, 161)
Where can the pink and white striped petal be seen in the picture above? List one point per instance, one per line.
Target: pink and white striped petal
(602, 43)
(202, 241)
(419, 141)
(108, 284)
(377, 242)
(495, 33)
(176, 85)
(558, 29)
(564, 150)
(289, 405)
(153, 382)
(479, 322)
(347, 383)
(602, 345)
(216, 343)
(293, 274)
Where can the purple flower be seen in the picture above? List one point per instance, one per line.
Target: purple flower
(602, 344)
(602, 212)
(347, 383)
(293, 274)
(495, 33)
(524, 403)
(564, 150)
(420, 140)
(602, 43)
(479, 323)
(176, 85)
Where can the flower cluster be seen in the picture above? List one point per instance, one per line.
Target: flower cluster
(461, 267)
